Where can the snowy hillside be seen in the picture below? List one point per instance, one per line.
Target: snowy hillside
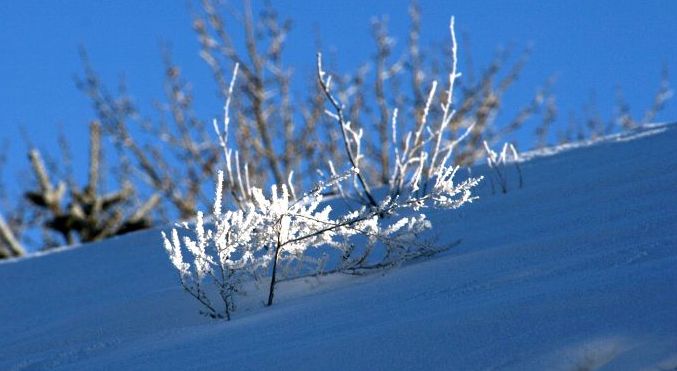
(577, 270)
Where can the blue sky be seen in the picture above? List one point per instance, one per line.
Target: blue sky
(590, 45)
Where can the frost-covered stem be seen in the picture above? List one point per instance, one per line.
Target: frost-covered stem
(448, 113)
(454, 74)
(342, 123)
(398, 161)
(223, 137)
(227, 152)
(238, 173)
(418, 140)
(218, 198)
(495, 161)
(515, 156)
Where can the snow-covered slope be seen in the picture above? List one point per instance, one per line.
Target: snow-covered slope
(577, 270)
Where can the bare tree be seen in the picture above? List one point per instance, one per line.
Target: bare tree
(279, 132)
(84, 215)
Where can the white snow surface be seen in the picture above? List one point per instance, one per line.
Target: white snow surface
(575, 271)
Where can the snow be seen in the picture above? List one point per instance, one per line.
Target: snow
(577, 270)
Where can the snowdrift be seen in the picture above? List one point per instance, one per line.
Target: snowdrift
(576, 270)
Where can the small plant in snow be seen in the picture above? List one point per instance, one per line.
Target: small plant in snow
(267, 231)
(499, 164)
(255, 239)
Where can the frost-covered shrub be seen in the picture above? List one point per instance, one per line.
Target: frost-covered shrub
(254, 240)
(266, 231)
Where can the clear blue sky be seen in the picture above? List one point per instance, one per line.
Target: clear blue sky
(590, 45)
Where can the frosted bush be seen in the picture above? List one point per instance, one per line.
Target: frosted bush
(266, 231)
(254, 240)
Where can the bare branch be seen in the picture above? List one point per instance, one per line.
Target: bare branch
(9, 245)
(325, 84)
